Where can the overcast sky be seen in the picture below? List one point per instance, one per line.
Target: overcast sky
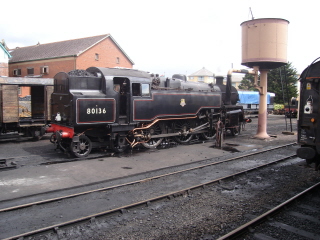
(167, 36)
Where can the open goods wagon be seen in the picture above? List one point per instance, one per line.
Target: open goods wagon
(27, 119)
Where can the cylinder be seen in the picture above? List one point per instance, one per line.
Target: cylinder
(264, 42)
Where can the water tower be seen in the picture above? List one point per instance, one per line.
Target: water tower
(264, 47)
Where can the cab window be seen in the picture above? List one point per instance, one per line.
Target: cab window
(136, 89)
(145, 90)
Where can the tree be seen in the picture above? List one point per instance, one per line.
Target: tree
(247, 83)
(282, 81)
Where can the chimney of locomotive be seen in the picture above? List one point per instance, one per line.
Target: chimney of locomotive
(219, 80)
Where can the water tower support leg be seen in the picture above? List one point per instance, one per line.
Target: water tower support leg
(262, 118)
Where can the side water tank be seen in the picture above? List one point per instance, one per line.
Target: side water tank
(264, 43)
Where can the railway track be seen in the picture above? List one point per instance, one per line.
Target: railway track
(295, 218)
(113, 199)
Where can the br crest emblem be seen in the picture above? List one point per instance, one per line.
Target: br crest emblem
(182, 102)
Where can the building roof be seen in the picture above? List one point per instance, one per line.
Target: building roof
(202, 72)
(5, 50)
(66, 48)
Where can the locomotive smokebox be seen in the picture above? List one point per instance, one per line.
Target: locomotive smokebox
(264, 43)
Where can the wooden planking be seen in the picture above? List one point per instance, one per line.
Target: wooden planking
(10, 103)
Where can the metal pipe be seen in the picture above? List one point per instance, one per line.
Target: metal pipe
(161, 119)
(262, 117)
(234, 111)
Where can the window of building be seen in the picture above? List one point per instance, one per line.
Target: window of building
(97, 56)
(44, 70)
(30, 71)
(201, 78)
(118, 60)
(17, 72)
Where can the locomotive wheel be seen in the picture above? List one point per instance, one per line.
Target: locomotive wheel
(235, 131)
(153, 142)
(209, 135)
(81, 148)
(183, 127)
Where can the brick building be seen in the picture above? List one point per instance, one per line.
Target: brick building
(45, 60)
(4, 59)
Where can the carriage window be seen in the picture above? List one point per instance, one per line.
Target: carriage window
(136, 89)
(145, 90)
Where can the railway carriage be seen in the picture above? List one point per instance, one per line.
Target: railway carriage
(17, 120)
(116, 108)
(309, 114)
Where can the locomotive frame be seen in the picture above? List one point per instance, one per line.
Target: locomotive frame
(116, 108)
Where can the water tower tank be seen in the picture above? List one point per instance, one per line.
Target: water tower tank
(264, 43)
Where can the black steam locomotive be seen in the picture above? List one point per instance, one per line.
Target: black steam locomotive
(116, 108)
(309, 114)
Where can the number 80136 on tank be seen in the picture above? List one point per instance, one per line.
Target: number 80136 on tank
(119, 108)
